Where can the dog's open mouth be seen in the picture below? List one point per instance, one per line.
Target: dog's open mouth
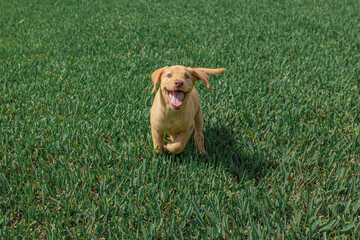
(176, 98)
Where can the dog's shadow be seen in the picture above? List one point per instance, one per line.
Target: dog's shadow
(223, 147)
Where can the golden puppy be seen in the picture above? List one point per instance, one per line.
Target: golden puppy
(176, 108)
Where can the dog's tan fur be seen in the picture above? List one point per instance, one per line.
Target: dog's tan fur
(179, 124)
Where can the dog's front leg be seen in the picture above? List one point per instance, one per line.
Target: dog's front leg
(199, 136)
(180, 141)
(158, 139)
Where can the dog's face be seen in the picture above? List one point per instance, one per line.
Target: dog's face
(176, 83)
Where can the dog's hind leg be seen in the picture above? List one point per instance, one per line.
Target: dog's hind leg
(171, 138)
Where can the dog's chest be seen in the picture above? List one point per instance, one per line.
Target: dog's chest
(175, 124)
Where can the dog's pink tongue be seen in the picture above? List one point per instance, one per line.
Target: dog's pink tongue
(176, 98)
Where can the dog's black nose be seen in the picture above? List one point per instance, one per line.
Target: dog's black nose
(179, 83)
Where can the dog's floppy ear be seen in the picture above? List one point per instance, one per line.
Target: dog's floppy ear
(155, 78)
(202, 74)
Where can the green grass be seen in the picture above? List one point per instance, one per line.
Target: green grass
(281, 124)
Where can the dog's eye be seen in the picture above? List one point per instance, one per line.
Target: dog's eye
(187, 76)
(169, 75)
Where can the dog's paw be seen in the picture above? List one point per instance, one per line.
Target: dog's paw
(200, 151)
(160, 150)
(175, 147)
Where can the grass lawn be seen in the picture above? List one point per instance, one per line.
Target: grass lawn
(281, 125)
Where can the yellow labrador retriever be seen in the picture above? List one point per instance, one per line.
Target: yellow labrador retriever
(176, 108)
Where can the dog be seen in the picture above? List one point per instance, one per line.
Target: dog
(176, 108)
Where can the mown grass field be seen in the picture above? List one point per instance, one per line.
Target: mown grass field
(281, 124)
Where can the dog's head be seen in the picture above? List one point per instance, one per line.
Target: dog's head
(176, 82)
